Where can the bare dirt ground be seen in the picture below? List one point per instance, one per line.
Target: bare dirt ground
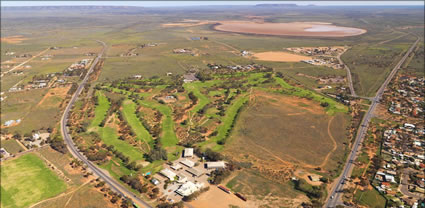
(320, 29)
(280, 56)
(225, 200)
(13, 39)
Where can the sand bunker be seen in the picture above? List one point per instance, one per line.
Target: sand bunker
(280, 56)
(311, 29)
(13, 39)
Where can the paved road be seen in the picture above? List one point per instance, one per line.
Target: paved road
(116, 186)
(350, 80)
(335, 195)
(404, 185)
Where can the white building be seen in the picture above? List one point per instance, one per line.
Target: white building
(188, 152)
(216, 165)
(176, 167)
(188, 163)
(168, 173)
(189, 188)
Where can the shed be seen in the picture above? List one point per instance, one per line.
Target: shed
(168, 173)
(188, 152)
(195, 172)
(188, 163)
(215, 165)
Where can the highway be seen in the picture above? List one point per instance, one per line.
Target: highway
(335, 194)
(113, 184)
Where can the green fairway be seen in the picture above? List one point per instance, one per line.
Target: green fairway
(129, 111)
(202, 99)
(110, 137)
(168, 136)
(333, 106)
(27, 180)
(227, 122)
(101, 109)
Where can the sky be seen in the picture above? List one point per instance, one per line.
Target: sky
(200, 3)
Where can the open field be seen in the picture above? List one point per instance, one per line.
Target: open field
(226, 200)
(11, 146)
(13, 39)
(85, 196)
(44, 114)
(370, 198)
(262, 192)
(278, 121)
(280, 56)
(319, 29)
(374, 64)
(27, 180)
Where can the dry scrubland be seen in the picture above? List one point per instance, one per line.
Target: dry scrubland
(277, 127)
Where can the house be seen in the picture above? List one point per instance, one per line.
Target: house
(188, 163)
(168, 173)
(188, 152)
(189, 188)
(195, 172)
(215, 165)
(189, 78)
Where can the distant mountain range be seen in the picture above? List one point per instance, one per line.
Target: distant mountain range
(276, 5)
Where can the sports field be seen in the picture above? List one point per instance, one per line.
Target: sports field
(27, 180)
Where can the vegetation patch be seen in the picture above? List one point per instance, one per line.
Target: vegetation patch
(27, 180)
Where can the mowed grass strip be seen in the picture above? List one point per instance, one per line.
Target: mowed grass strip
(202, 99)
(109, 136)
(227, 122)
(333, 106)
(27, 180)
(168, 136)
(129, 111)
(101, 109)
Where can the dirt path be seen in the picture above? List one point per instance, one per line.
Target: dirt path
(333, 141)
(21, 64)
(61, 195)
(271, 153)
